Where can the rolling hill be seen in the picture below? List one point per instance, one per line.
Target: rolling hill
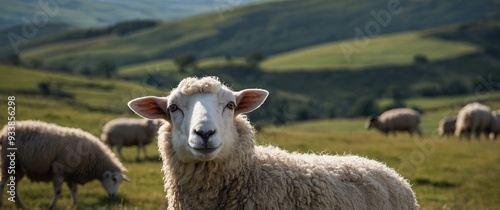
(272, 28)
(106, 12)
(443, 171)
(389, 50)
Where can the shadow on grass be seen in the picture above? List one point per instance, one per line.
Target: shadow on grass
(110, 202)
(438, 184)
(142, 159)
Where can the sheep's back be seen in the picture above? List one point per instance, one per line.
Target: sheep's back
(125, 130)
(495, 121)
(42, 147)
(322, 181)
(473, 115)
(400, 119)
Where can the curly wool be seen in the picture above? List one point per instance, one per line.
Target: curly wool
(193, 85)
(473, 118)
(495, 124)
(127, 132)
(266, 177)
(401, 119)
(447, 126)
(78, 154)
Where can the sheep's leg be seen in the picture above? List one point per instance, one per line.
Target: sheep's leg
(57, 182)
(137, 157)
(73, 187)
(145, 154)
(419, 132)
(2, 183)
(119, 149)
(5, 178)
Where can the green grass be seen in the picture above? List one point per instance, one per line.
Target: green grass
(389, 50)
(445, 173)
(169, 66)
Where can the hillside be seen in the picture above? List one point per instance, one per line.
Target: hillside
(271, 28)
(106, 12)
(443, 171)
(380, 51)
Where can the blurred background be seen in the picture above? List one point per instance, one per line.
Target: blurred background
(327, 64)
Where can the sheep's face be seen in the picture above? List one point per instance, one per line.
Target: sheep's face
(111, 181)
(201, 113)
(369, 122)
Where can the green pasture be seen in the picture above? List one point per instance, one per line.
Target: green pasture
(389, 50)
(169, 66)
(446, 173)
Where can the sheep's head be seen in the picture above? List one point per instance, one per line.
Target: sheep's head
(370, 121)
(201, 112)
(112, 180)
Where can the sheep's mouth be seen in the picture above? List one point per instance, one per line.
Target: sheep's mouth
(205, 150)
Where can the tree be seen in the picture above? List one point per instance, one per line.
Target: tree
(14, 59)
(253, 59)
(44, 88)
(365, 106)
(229, 58)
(108, 67)
(420, 59)
(35, 63)
(184, 60)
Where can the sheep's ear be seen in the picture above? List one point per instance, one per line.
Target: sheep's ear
(249, 99)
(126, 178)
(150, 107)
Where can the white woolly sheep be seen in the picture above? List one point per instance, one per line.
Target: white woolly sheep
(447, 126)
(400, 119)
(48, 152)
(211, 160)
(129, 132)
(494, 124)
(473, 118)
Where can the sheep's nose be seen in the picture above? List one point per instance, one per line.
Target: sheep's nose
(205, 135)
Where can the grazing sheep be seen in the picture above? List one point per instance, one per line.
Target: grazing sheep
(473, 118)
(400, 119)
(129, 132)
(47, 152)
(211, 160)
(495, 124)
(447, 126)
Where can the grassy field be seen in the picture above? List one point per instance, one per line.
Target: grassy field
(379, 51)
(169, 66)
(445, 173)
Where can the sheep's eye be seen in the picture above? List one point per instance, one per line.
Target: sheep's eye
(231, 105)
(173, 108)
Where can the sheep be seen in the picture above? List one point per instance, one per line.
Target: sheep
(129, 132)
(211, 159)
(473, 118)
(400, 119)
(447, 126)
(48, 152)
(494, 127)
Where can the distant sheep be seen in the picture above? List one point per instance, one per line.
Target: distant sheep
(400, 119)
(129, 132)
(473, 118)
(48, 152)
(447, 126)
(211, 160)
(495, 124)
